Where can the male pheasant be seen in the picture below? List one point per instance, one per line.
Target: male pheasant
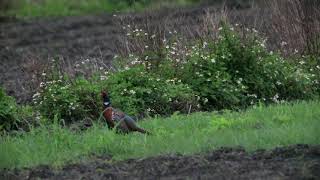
(117, 118)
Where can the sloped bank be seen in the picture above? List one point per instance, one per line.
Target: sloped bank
(293, 162)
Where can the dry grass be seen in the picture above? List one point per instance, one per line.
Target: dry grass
(289, 25)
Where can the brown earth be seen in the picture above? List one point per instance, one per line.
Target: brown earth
(293, 162)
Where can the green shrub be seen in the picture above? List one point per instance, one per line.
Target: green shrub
(207, 75)
(13, 116)
(8, 112)
(68, 100)
(266, 76)
(231, 71)
(139, 92)
(311, 64)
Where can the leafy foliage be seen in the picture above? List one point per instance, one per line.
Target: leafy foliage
(8, 112)
(237, 71)
(138, 92)
(13, 116)
(68, 100)
(231, 72)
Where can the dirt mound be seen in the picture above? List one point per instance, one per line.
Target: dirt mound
(294, 162)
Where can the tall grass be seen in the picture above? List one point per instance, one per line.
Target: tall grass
(255, 128)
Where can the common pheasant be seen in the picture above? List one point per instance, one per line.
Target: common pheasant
(118, 119)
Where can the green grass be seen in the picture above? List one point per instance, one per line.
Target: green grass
(33, 8)
(255, 128)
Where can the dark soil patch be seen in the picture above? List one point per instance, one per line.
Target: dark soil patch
(294, 162)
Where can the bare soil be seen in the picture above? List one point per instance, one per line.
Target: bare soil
(293, 162)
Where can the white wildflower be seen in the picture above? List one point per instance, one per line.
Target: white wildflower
(283, 43)
(36, 95)
(103, 78)
(42, 84)
(205, 100)
(132, 92)
(275, 98)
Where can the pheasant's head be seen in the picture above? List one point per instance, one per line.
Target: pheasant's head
(106, 99)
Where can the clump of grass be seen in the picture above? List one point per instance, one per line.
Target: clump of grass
(255, 128)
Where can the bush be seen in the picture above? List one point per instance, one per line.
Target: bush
(265, 75)
(230, 72)
(12, 116)
(207, 75)
(139, 92)
(133, 90)
(68, 100)
(8, 112)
